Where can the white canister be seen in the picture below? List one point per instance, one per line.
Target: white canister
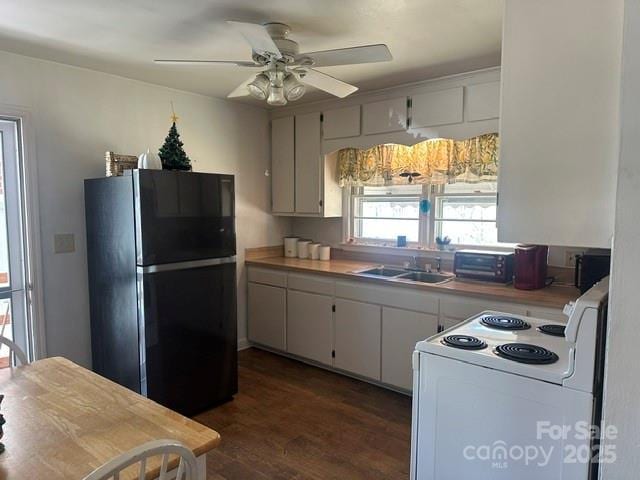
(314, 251)
(303, 248)
(291, 247)
(325, 252)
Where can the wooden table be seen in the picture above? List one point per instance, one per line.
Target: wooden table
(63, 421)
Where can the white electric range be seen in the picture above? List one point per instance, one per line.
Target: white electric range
(503, 396)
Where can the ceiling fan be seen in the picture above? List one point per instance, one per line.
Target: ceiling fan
(283, 70)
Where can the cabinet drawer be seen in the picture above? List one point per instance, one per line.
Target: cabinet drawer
(400, 297)
(312, 284)
(275, 278)
(461, 309)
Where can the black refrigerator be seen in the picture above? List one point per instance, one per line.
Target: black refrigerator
(162, 283)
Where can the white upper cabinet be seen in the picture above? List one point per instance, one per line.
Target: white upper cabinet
(304, 182)
(482, 101)
(559, 123)
(341, 123)
(282, 165)
(442, 107)
(385, 116)
(308, 163)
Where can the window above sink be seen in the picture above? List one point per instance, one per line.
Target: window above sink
(465, 212)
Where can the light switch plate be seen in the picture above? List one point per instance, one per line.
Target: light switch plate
(64, 243)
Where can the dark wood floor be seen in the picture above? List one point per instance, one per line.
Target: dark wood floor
(294, 421)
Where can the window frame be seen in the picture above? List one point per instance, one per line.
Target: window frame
(356, 193)
(437, 192)
(426, 223)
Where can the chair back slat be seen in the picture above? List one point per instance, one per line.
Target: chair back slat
(14, 351)
(180, 470)
(138, 456)
(163, 467)
(143, 469)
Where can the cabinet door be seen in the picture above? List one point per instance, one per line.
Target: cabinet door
(267, 315)
(282, 165)
(386, 116)
(341, 123)
(357, 338)
(559, 125)
(443, 107)
(401, 330)
(309, 319)
(308, 163)
(482, 101)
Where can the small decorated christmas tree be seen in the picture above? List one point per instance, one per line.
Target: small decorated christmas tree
(171, 153)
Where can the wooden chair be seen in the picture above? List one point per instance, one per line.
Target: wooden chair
(14, 350)
(187, 466)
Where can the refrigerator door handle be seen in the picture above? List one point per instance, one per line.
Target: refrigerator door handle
(168, 267)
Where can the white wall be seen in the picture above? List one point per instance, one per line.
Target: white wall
(622, 374)
(77, 115)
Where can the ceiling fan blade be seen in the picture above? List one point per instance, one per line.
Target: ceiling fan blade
(242, 90)
(258, 37)
(349, 56)
(327, 83)
(207, 62)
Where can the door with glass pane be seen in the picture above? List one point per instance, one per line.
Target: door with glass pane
(14, 314)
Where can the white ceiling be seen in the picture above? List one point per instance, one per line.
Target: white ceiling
(427, 38)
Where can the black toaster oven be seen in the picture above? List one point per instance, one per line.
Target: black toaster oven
(484, 265)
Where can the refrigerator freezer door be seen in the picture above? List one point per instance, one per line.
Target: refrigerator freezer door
(183, 216)
(188, 327)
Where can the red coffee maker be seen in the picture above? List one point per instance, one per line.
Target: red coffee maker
(530, 267)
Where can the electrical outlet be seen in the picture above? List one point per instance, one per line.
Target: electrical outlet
(64, 243)
(570, 256)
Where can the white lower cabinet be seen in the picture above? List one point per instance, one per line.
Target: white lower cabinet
(401, 330)
(266, 312)
(357, 338)
(309, 326)
(357, 327)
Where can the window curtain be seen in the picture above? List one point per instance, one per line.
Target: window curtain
(435, 161)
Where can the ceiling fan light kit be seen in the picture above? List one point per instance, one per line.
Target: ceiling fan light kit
(259, 88)
(285, 71)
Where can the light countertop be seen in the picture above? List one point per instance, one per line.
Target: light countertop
(554, 296)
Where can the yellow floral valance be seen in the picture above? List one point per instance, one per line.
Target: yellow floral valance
(432, 161)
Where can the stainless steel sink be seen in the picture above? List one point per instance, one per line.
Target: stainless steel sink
(426, 277)
(383, 272)
(397, 273)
